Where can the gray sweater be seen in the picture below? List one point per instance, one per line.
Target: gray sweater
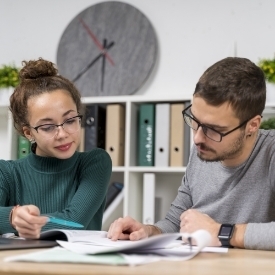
(241, 194)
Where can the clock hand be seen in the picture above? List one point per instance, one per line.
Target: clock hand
(103, 65)
(93, 62)
(96, 41)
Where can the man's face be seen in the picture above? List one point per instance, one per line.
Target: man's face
(222, 119)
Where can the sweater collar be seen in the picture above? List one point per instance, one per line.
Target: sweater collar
(51, 164)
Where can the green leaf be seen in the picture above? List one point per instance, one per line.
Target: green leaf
(9, 76)
(268, 124)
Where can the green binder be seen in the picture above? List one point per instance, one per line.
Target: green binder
(24, 147)
(146, 134)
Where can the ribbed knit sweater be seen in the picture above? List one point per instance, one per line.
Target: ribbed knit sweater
(73, 189)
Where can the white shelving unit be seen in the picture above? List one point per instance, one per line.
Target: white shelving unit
(168, 179)
(8, 137)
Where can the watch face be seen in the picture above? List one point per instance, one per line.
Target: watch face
(108, 49)
(226, 230)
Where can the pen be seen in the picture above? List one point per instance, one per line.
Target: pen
(64, 222)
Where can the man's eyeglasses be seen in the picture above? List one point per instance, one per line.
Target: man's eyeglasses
(48, 131)
(208, 131)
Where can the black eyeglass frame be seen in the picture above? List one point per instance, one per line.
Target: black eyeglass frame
(56, 125)
(207, 127)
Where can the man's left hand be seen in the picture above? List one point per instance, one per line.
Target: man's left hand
(192, 220)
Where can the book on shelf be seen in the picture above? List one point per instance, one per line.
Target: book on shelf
(162, 130)
(187, 139)
(24, 147)
(94, 127)
(177, 136)
(115, 133)
(81, 147)
(146, 134)
(148, 210)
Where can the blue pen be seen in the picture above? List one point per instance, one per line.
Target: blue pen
(64, 222)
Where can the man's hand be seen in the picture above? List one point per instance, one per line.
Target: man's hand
(192, 220)
(27, 221)
(128, 228)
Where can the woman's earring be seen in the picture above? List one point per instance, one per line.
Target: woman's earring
(32, 140)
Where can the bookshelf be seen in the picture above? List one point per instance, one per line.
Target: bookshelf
(168, 179)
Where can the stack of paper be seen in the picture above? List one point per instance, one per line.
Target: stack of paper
(101, 250)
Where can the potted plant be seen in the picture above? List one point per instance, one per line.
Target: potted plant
(9, 78)
(268, 67)
(268, 124)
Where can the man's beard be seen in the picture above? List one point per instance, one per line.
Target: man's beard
(236, 149)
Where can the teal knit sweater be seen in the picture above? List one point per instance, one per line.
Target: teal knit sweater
(73, 189)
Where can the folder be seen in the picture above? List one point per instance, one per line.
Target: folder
(24, 147)
(148, 210)
(187, 139)
(95, 126)
(81, 147)
(115, 133)
(177, 137)
(146, 134)
(162, 134)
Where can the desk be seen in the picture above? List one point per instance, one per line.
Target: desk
(236, 261)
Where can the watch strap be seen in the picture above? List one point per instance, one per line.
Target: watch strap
(225, 240)
(226, 243)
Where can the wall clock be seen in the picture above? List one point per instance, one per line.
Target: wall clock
(108, 49)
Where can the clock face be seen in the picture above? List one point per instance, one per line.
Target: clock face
(108, 49)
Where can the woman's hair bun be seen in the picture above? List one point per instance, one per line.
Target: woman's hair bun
(37, 68)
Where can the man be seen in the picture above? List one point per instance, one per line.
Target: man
(229, 185)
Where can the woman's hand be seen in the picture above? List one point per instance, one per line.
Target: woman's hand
(27, 221)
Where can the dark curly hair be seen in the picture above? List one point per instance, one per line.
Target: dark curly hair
(38, 77)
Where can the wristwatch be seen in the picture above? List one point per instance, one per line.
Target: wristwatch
(225, 234)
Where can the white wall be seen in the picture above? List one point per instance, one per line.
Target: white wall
(192, 34)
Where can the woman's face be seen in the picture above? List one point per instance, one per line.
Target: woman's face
(53, 108)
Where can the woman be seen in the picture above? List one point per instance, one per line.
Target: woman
(54, 179)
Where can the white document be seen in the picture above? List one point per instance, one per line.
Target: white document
(162, 134)
(159, 244)
(148, 215)
(62, 255)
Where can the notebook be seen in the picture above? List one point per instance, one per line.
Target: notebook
(8, 244)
